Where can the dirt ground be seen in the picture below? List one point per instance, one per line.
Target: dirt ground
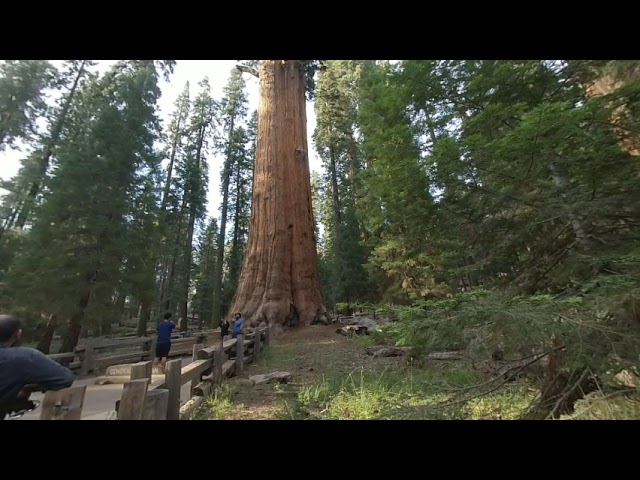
(306, 353)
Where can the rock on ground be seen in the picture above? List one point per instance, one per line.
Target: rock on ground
(279, 377)
(352, 329)
(386, 351)
(368, 323)
(627, 379)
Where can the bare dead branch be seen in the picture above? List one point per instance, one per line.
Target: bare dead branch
(567, 393)
(507, 379)
(246, 69)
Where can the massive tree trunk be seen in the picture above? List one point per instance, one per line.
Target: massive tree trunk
(280, 269)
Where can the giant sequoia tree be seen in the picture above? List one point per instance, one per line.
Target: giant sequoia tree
(279, 279)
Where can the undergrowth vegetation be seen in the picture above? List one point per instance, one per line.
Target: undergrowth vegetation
(565, 345)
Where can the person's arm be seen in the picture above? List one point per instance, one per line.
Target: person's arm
(46, 373)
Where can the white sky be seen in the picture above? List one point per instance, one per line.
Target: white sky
(186, 71)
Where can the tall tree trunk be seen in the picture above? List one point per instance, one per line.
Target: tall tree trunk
(334, 188)
(119, 304)
(561, 180)
(106, 326)
(172, 267)
(44, 345)
(188, 247)
(172, 158)
(236, 220)
(70, 340)
(135, 307)
(234, 267)
(145, 315)
(280, 268)
(217, 278)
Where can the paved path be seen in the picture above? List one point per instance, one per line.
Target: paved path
(100, 400)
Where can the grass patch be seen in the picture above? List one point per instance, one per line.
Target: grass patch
(364, 341)
(219, 405)
(274, 356)
(403, 395)
(509, 404)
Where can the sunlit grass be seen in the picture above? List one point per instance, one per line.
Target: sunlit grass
(218, 405)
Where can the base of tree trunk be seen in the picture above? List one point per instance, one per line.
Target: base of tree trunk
(145, 315)
(44, 345)
(279, 282)
(72, 335)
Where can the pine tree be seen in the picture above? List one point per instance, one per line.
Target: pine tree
(233, 109)
(240, 206)
(81, 234)
(195, 170)
(22, 98)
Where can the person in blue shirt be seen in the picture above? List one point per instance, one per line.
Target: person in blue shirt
(25, 370)
(237, 326)
(163, 342)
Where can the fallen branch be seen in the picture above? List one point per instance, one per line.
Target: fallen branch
(501, 384)
(567, 393)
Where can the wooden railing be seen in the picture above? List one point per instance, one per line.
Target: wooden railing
(94, 356)
(143, 400)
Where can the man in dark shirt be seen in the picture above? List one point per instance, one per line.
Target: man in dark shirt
(25, 370)
(224, 328)
(163, 343)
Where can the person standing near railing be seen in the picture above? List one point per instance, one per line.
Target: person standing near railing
(163, 342)
(25, 370)
(224, 328)
(237, 326)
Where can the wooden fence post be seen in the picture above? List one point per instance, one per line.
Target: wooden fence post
(218, 360)
(152, 348)
(142, 370)
(87, 364)
(257, 345)
(64, 404)
(239, 355)
(132, 402)
(173, 382)
(155, 404)
(196, 348)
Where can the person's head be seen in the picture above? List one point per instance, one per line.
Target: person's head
(10, 330)
(167, 316)
(237, 316)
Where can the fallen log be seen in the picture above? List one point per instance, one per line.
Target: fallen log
(190, 407)
(391, 351)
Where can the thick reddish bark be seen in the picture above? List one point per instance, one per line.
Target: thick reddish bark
(280, 269)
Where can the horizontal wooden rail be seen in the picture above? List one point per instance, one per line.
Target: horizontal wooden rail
(85, 358)
(208, 367)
